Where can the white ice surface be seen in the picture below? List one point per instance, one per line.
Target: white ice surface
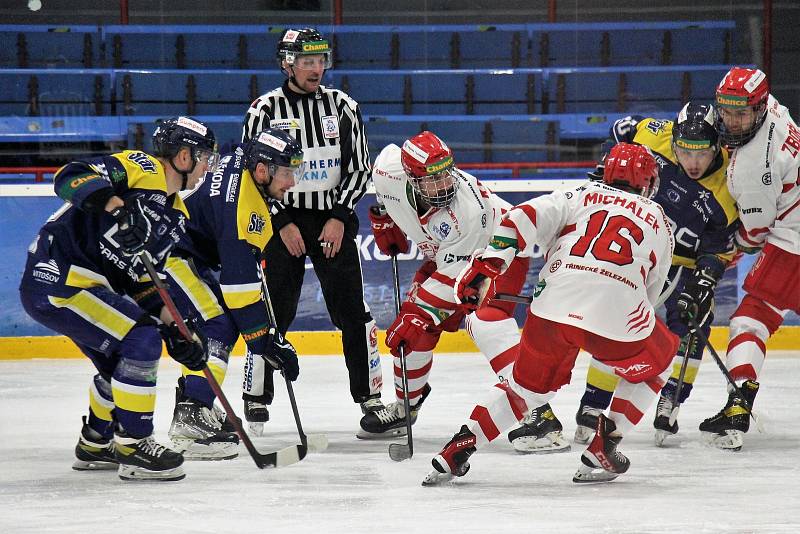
(354, 487)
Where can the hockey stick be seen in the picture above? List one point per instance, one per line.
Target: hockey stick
(510, 297)
(704, 340)
(401, 451)
(688, 342)
(314, 442)
(280, 458)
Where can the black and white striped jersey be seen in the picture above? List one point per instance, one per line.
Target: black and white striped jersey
(329, 126)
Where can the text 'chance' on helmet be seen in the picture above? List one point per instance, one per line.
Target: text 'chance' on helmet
(430, 167)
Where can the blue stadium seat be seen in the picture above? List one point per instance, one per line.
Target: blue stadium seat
(521, 141)
(491, 47)
(362, 50)
(504, 93)
(63, 92)
(53, 47)
(217, 92)
(424, 50)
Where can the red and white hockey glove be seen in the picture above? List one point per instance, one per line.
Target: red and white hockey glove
(389, 238)
(473, 282)
(412, 329)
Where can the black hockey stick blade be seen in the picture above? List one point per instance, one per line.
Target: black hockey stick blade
(399, 452)
(510, 297)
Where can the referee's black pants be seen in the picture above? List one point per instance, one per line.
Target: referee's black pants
(342, 288)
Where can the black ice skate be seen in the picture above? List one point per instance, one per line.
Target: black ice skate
(540, 433)
(93, 452)
(452, 461)
(586, 418)
(381, 421)
(601, 461)
(726, 429)
(661, 422)
(256, 414)
(145, 459)
(197, 433)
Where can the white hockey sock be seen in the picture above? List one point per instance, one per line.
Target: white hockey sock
(498, 340)
(631, 401)
(418, 368)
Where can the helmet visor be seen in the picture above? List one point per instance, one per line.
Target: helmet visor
(313, 61)
(294, 173)
(209, 157)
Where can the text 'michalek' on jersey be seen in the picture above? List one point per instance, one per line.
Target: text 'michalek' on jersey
(81, 244)
(702, 212)
(447, 236)
(329, 126)
(607, 256)
(764, 178)
(228, 230)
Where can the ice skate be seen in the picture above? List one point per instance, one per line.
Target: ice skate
(222, 418)
(256, 414)
(601, 461)
(586, 418)
(726, 430)
(93, 452)
(143, 459)
(197, 434)
(540, 433)
(380, 422)
(452, 461)
(661, 422)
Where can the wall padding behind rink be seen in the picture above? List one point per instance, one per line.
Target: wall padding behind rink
(24, 208)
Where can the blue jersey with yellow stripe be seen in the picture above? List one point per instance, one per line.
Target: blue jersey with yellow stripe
(702, 212)
(76, 241)
(228, 229)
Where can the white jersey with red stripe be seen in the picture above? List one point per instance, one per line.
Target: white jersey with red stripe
(764, 179)
(447, 236)
(607, 257)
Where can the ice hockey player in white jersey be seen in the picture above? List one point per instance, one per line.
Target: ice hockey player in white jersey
(608, 252)
(764, 179)
(449, 214)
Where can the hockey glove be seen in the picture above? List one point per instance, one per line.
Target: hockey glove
(389, 238)
(192, 354)
(697, 298)
(473, 282)
(134, 226)
(597, 174)
(281, 355)
(412, 329)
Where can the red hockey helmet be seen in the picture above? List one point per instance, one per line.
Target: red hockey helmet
(742, 88)
(429, 164)
(632, 167)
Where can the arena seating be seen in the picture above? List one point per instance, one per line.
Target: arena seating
(498, 93)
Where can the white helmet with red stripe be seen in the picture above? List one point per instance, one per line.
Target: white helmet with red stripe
(430, 167)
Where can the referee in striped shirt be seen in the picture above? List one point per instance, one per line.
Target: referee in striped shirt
(316, 218)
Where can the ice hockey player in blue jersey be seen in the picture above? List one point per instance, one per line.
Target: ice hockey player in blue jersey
(215, 275)
(702, 213)
(84, 278)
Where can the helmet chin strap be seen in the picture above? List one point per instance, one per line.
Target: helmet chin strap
(184, 174)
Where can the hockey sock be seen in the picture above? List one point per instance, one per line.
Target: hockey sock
(497, 336)
(601, 381)
(134, 380)
(418, 368)
(503, 410)
(101, 404)
(631, 401)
